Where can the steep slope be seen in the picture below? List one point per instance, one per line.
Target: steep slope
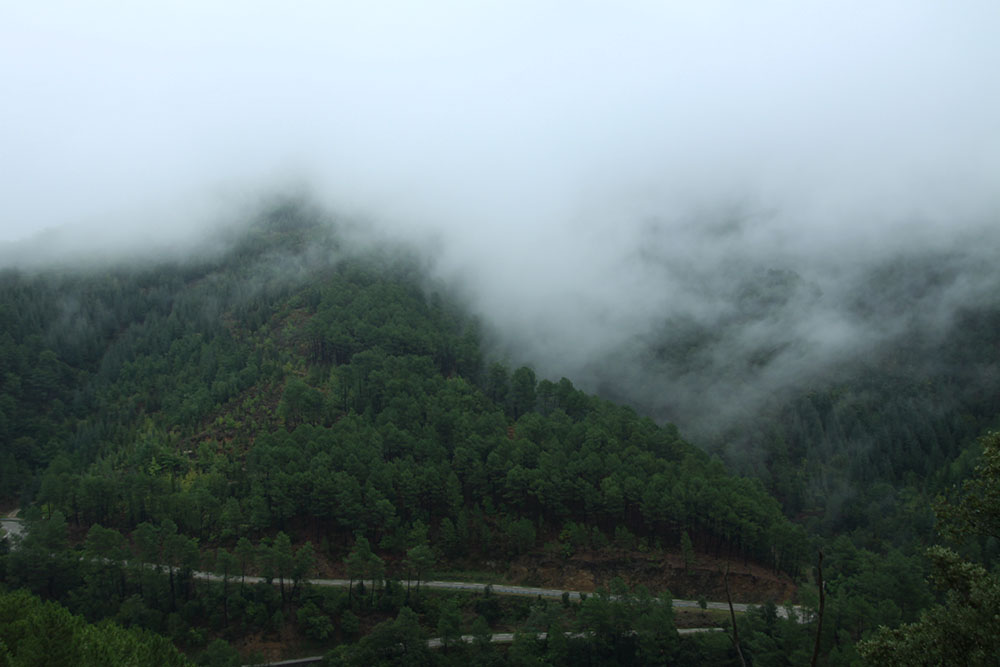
(289, 389)
(301, 382)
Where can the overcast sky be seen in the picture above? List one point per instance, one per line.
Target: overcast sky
(494, 117)
(589, 171)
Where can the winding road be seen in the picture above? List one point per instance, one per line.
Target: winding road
(14, 527)
(503, 589)
(496, 638)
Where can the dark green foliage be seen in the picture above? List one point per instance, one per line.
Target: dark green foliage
(42, 562)
(522, 391)
(33, 632)
(247, 402)
(615, 627)
(399, 642)
(363, 564)
(219, 654)
(301, 403)
(334, 391)
(315, 624)
(449, 625)
(419, 561)
(962, 629)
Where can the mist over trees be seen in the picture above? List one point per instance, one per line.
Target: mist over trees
(194, 415)
(622, 297)
(297, 397)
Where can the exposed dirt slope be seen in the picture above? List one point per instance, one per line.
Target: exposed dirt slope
(588, 570)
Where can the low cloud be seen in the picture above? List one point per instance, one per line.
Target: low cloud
(597, 179)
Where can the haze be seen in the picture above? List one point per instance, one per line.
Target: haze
(589, 172)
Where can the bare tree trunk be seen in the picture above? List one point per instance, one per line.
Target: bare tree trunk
(732, 615)
(822, 603)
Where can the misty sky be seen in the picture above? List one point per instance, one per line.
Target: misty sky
(587, 170)
(496, 117)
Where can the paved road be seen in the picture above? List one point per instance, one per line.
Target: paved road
(502, 589)
(496, 638)
(14, 527)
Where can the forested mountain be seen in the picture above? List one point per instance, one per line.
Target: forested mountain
(842, 436)
(292, 387)
(288, 403)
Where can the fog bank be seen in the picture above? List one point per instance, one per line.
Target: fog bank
(593, 176)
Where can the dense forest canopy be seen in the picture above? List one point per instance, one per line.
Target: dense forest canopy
(333, 366)
(497, 333)
(290, 399)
